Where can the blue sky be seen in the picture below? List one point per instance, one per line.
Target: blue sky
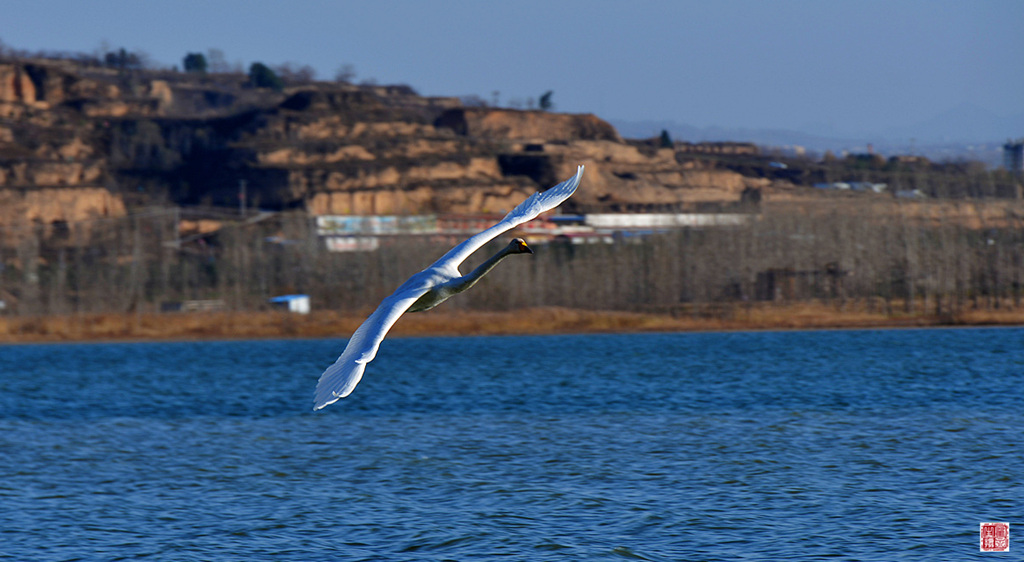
(828, 66)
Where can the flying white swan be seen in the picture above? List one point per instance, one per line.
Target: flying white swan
(429, 288)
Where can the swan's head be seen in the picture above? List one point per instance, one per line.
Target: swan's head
(518, 246)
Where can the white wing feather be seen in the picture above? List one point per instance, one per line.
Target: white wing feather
(341, 378)
(525, 211)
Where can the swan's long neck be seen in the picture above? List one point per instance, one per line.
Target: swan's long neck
(441, 292)
(470, 279)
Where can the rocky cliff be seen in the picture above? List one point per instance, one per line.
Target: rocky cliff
(79, 142)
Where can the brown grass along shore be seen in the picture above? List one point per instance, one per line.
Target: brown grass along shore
(274, 324)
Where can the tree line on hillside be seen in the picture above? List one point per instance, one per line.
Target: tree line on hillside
(213, 61)
(902, 261)
(258, 75)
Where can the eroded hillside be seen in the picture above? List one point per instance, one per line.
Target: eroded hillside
(79, 142)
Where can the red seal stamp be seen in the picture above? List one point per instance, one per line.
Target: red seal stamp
(995, 537)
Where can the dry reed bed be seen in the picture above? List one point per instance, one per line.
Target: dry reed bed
(241, 325)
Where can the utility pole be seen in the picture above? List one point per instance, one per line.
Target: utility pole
(241, 198)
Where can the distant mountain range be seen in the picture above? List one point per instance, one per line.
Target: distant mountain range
(963, 124)
(963, 132)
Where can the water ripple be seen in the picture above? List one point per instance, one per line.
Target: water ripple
(866, 445)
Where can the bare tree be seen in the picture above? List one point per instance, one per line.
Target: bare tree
(345, 74)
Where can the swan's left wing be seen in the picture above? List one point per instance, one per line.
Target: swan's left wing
(527, 210)
(341, 378)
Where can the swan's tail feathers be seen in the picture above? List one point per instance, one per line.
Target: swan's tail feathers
(337, 382)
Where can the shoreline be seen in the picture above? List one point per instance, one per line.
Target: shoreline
(532, 321)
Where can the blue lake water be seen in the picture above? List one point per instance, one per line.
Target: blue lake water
(852, 445)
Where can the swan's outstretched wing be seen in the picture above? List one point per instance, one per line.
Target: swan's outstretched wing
(527, 210)
(341, 378)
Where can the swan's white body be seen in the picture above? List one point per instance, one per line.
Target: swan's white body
(429, 288)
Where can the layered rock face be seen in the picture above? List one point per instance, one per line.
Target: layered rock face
(531, 126)
(78, 142)
(53, 167)
(469, 160)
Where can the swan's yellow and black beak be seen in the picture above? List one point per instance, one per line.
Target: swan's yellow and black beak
(521, 247)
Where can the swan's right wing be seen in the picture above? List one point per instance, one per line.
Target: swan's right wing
(525, 211)
(341, 378)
